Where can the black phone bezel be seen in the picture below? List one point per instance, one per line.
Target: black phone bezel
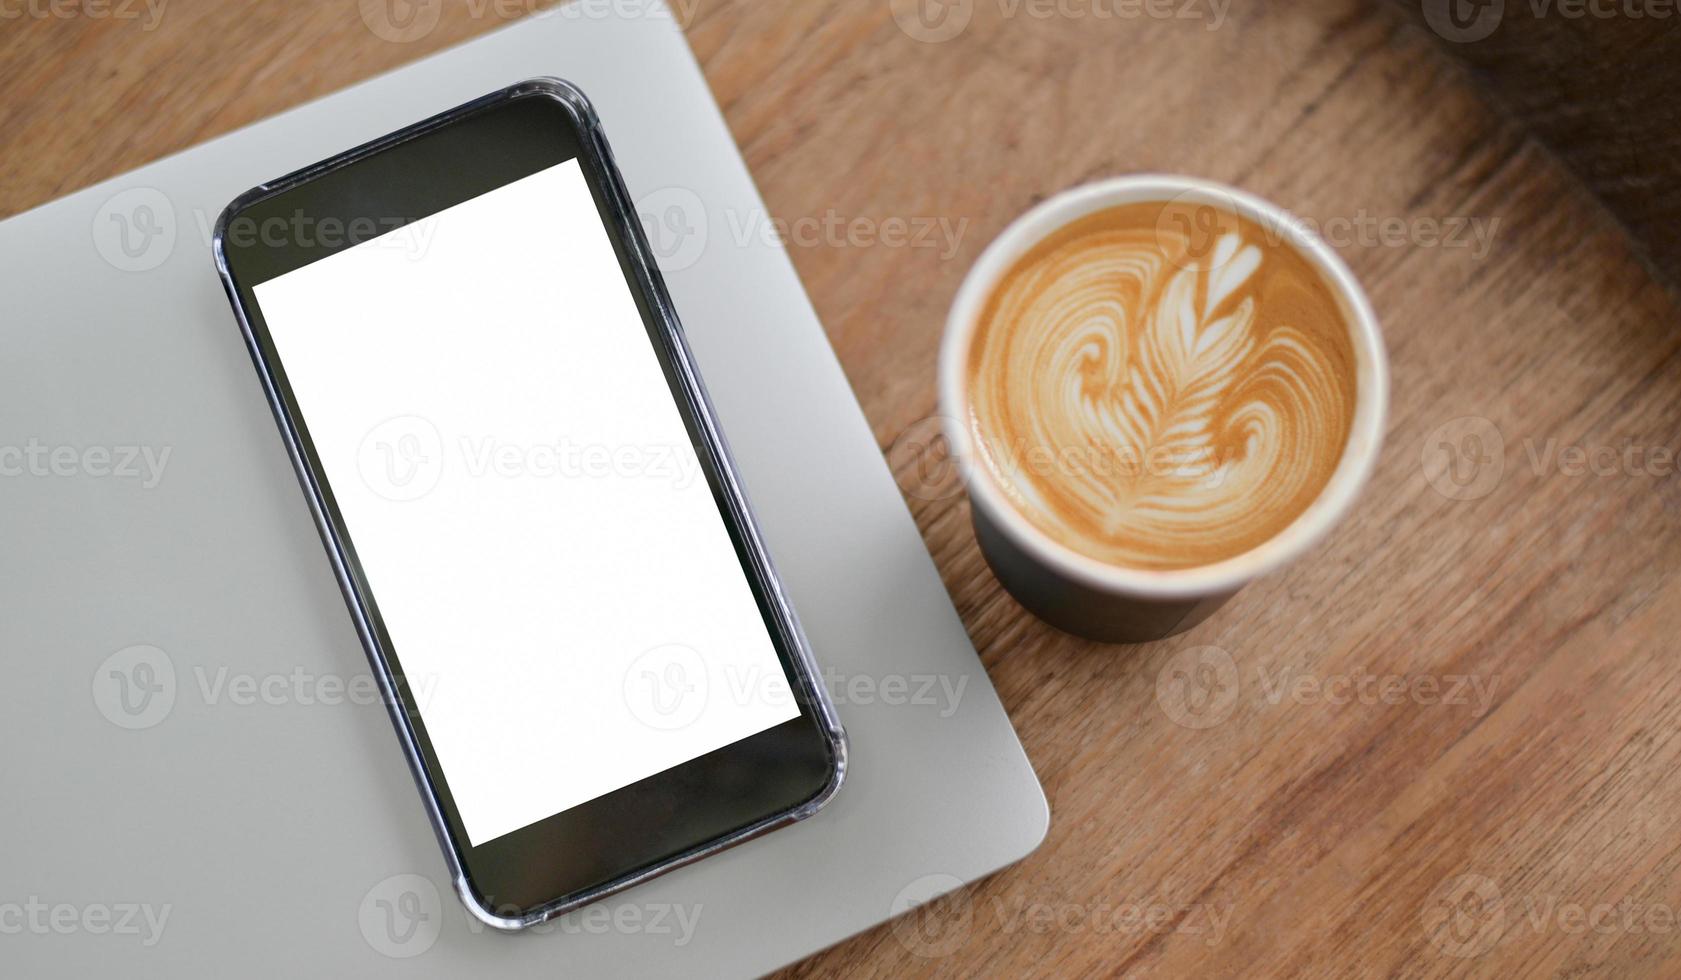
(749, 787)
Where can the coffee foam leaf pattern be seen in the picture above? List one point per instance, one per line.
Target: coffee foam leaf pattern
(1154, 408)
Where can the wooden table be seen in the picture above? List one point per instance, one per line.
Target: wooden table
(1446, 743)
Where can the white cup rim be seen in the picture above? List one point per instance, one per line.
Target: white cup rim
(1308, 529)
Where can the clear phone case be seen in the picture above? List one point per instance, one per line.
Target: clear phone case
(646, 277)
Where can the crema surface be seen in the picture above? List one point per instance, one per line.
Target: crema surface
(1162, 386)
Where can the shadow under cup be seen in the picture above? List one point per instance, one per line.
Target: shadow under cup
(1110, 603)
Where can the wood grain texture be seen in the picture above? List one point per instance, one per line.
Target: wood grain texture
(1277, 807)
(1596, 81)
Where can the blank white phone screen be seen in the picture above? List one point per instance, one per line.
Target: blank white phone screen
(514, 474)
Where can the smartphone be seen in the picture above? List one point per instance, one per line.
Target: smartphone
(528, 504)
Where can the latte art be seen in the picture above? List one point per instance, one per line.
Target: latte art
(1158, 392)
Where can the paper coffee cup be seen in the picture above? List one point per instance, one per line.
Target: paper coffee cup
(1081, 594)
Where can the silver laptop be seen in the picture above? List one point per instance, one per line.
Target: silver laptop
(201, 779)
